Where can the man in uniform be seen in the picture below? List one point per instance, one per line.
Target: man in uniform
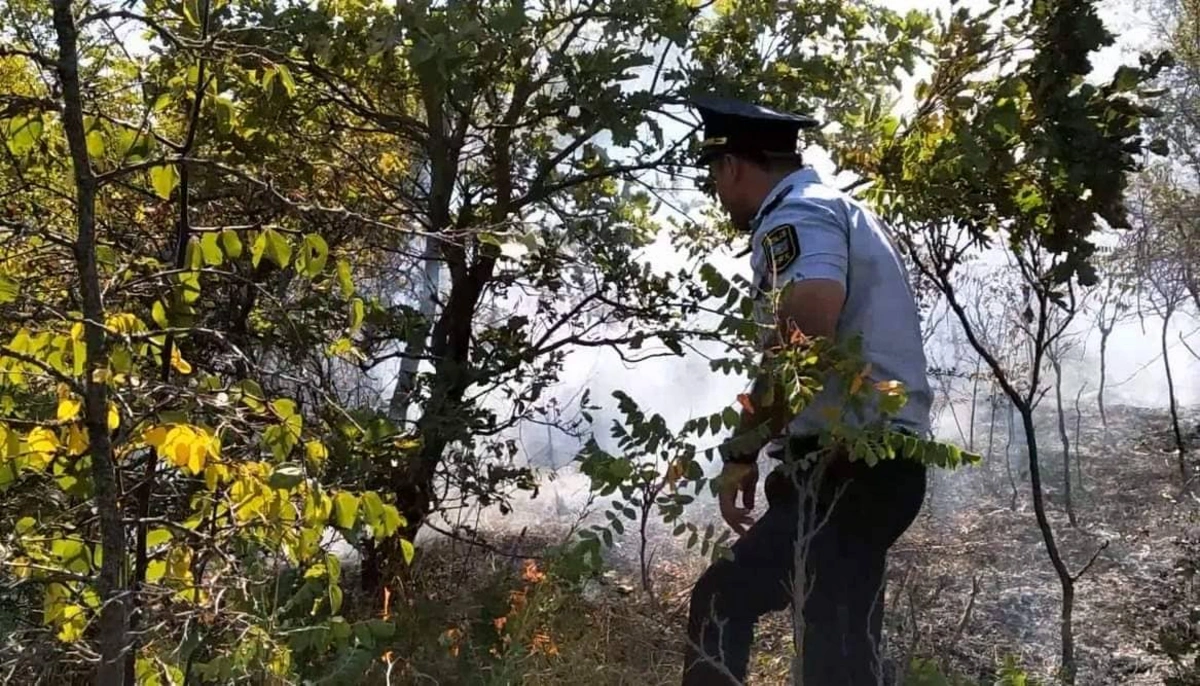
(840, 276)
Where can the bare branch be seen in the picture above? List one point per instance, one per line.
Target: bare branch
(1086, 567)
(37, 57)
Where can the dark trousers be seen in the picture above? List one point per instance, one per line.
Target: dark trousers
(846, 561)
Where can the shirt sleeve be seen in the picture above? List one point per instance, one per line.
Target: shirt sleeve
(806, 238)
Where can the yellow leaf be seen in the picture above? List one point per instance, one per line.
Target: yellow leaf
(53, 601)
(77, 331)
(315, 452)
(124, 323)
(156, 436)
(408, 443)
(181, 453)
(114, 417)
(198, 451)
(179, 563)
(77, 440)
(74, 621)
(281, 660)
(42, 440)
(68, 409)
(178, 363)
(215, 475)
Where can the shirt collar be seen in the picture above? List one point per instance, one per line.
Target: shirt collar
(803, 176)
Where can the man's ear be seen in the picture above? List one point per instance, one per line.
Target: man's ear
(737, 169)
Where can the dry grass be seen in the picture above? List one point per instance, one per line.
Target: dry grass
(1132, 502)
(607, 632)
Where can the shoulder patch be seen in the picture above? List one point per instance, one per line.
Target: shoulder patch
(781, 247)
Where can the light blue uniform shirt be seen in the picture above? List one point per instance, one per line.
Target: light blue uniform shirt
(817, 232)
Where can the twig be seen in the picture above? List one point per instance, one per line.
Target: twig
(1092, 561)
(481, 544)
(1188, 347)
(51, 371)
(966, 615)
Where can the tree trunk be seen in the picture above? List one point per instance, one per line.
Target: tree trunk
(113, 622)
(1066, 441)
(1065, 579)
(1012, 482)
(1103, 373)
(991, 423)
(647, 581)
(414, 347)
(974, 406)
(1078, 421)
(1180, 450)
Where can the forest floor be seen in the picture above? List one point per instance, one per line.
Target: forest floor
(970, 547)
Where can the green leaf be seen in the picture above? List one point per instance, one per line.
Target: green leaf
(164, 178)
(72, 554)
(25, 525)
(345, 508)
(335, 598)
(380, 628)
(315, 453)
(274, 246)
(251, 394)
(730, 418)
(74, 622)
(191, 12)
(407, 549)
(283, 407)
(372, 507)
(282, 438)
(285, 78)
(232, 243)
(223, 110)
(9, 289)
(357, 313)
(155, 571)
(157, 537)
(344, 280)
(23, 134)
(159, 314)
(210, 249)
(314, 251)
(1126, 79)
(390, 523)
(286, 476)
(95, 144)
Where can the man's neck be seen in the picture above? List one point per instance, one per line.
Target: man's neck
(769, 185)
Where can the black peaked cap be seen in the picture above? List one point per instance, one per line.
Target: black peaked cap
(733, 126)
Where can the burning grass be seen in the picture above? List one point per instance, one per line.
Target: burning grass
(969, 584)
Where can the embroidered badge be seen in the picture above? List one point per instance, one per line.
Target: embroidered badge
(781, 247)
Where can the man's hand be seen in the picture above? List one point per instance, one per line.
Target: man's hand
(738, 477)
